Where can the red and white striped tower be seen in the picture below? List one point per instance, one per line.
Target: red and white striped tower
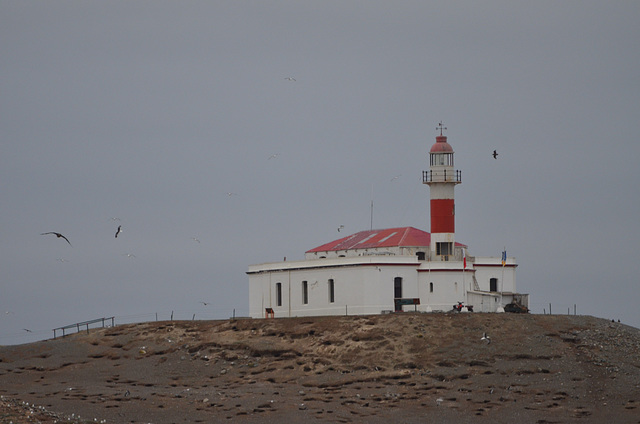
(442, 179)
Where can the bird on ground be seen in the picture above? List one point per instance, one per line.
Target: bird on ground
(495, 154)
(486, 338)
(290, 79)
(57, 235)
(119, 230)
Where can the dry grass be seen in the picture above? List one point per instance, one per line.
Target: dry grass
(399, 367)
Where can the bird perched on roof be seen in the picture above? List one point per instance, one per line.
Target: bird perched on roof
(119, 230)
(495, 154)
(485, 338)
(57, 235)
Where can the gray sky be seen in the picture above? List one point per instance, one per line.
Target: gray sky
(152, 112)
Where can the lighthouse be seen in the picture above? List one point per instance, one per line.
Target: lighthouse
(442, 179)
(385, 270)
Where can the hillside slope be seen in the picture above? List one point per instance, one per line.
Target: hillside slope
(411, 368)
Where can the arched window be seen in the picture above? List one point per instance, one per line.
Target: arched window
(332, 291)
(397, 287)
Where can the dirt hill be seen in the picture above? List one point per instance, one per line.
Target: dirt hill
(403, 368)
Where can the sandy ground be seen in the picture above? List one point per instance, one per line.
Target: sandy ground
(401, 368)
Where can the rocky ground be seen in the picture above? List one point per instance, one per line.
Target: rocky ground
(403, 368)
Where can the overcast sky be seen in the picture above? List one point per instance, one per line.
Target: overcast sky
(152, 112)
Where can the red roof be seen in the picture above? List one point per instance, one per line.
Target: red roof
(390, 237)
(441, 145)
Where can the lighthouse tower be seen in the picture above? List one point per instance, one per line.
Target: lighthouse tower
(442, 179)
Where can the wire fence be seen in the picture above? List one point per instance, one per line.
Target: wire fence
(28, 335)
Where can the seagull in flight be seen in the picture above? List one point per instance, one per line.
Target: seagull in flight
(57, 235)
(195, 239)
(275, 155)
(290, 79)
(205, 303)
(396, 177)
(495, 154)
(340, 228)
(27, 330)
(119, 230)
(129, 255)
(486, 338)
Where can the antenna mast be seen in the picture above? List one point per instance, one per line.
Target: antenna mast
(371, 215)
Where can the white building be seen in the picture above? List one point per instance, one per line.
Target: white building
(394, 269)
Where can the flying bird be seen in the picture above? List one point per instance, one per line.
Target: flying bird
(275, 155)
(495, 154)
(205, 303)
(486, 338)
(119, 230)
(340, 228)
(195, 239)
(57, 235)
(396, 177)
(27, 330)
(129, 255)
(290, 79)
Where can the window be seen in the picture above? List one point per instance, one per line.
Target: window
(421, 256)
(430, 287)
(442, 159)
(278, 294)
(444, 249)
(493, 285)
(305, 293)
(397, 287)
(332, 292)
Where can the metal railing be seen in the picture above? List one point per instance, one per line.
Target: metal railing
(441, 176)
(83, 324)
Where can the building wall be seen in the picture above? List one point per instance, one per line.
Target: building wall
(365, 285)
(359, 288)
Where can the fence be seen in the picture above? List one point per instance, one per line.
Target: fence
(82, 324)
